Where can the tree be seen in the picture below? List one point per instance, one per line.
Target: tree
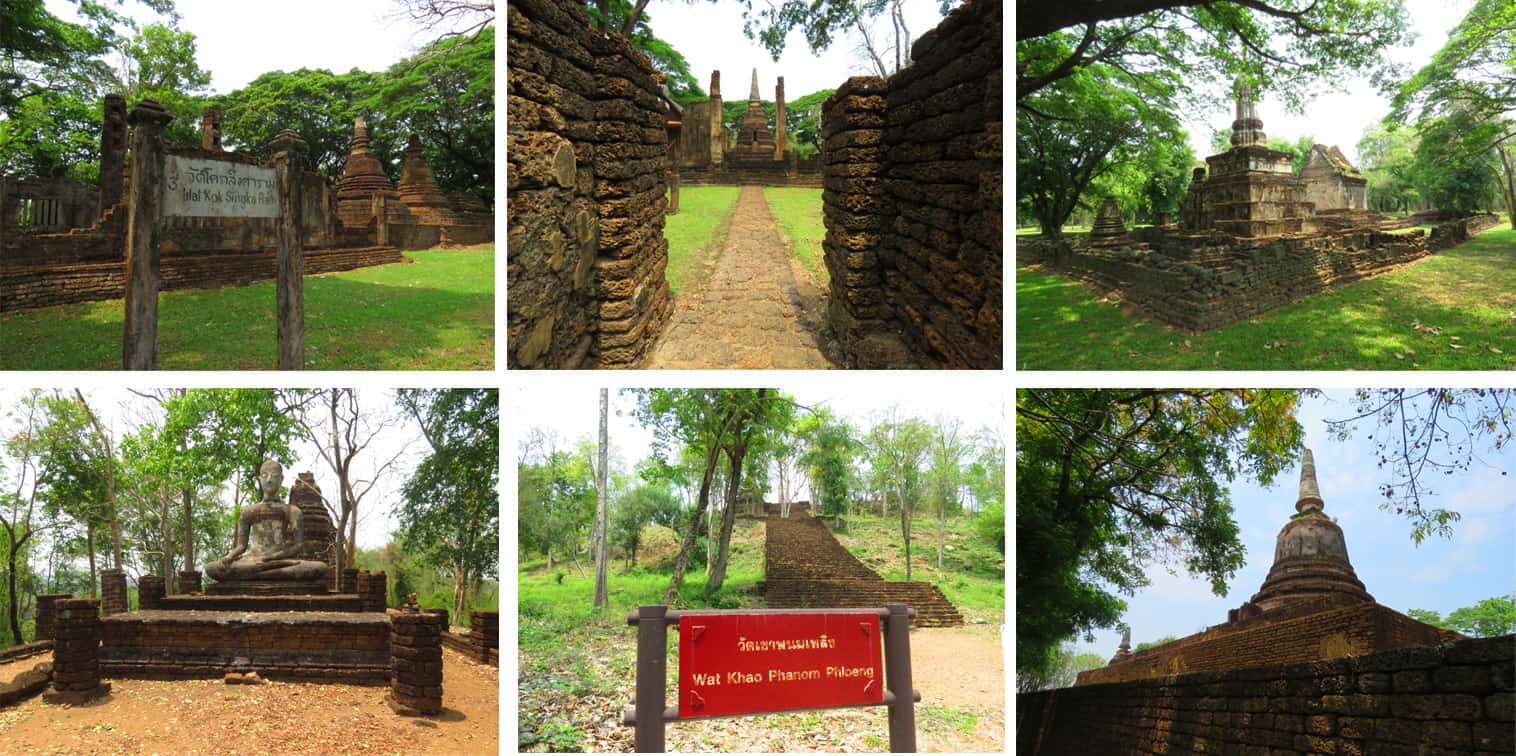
(1420, 433)
(1295, 46)
(645, 504)
(1061, 671)
(602, 547)
(899, 446)
(26, 447)
(159, 63)
(1108, 481)
(1486, 619)
(635, 24)
(333, 422)
(555, 494)
(1387, 157)
(459, 17)
(317, 104)
(802, 122)
(946, 475)
(830, 449)
(450, 514)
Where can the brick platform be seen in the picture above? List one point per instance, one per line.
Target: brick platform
(348, 647)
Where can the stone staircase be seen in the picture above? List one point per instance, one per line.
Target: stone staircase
(805, 567)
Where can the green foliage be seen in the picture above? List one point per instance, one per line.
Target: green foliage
(555, 493)
(1387, 159)
(1150, 644)
(1451, 170)
(636, 509)
(820, 21)
(830, 448)
(1109, 481)
(317, 104)
(1486, 619)
(159, 64)
(450, 513)
(989, 524)
(802, 122)
(1056, 667)
(1299, 150)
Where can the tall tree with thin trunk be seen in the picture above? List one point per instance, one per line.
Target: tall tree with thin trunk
(110, 479)
(602, 546)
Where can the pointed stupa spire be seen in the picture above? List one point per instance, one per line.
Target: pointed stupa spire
(1310, 493)
(1247, 129)
(752, 95)
(1125, 649)
(360, 134)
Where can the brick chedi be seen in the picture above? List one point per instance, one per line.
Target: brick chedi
(1253, 189)
(754, 140)
(362, 178)
(320, 536)
(418, 188)
(1310, 555)
(1311, 607)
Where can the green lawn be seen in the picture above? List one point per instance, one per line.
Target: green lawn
(797, 211)
(437, 313)
(696, 233)
(1454, 310)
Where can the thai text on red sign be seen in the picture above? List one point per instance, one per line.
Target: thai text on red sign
(745, 663)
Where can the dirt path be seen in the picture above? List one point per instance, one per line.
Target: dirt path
(210, 717)
(752, 315)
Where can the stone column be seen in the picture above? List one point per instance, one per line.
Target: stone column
(857, 222)
(140, 337)
(371, 590)
(76, 653)
(289, 234)
(416, 663)
(484, 633)
(112, 152)
(47, 614)
(718, 127)
(189, 582)
(210, 130)
(780, 145)
(112, 591)
(150, 591)
(349, 582)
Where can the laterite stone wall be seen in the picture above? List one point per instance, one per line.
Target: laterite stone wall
(912, 201)
(587, 149)
(416, 650)
(1451, 699)
(350, 647)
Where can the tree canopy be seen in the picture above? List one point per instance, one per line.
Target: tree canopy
(1486, 619)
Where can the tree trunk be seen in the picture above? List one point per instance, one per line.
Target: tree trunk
(10, 581)
(549, 558)
(89, 545)
(460, 590)
(682, 562)
(1508, 187)
(905, 533)
(729, 518)
(941, 532)
(189, 532)
(602, 550)
(168, 542)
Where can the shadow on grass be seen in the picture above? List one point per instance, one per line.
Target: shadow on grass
(1455, 310)
(349, 325)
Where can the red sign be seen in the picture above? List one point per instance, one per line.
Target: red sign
(737, 663)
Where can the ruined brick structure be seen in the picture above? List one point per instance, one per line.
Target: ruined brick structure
(76, 653)
(1453, 698)
(587, 146)
(371, 590)
(416, 647)
(1332, 183)
(47, 614)
(912, 202)
(1200, 282)
(1252, 190)
(315, 523)
(72, 248)
(112, 591)
(1311, 606)
(758, 156)
(348, 647)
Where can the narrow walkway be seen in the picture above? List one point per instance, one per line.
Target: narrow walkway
(750, 315)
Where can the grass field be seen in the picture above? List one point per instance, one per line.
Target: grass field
(797, 211)
(437, 313)
(1455, 310)
(696, 233)
(973, 570)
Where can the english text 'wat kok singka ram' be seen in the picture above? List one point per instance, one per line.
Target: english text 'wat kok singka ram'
(1252, 236)
(62, 241)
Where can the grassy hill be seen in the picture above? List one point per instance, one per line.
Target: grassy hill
(972, 574)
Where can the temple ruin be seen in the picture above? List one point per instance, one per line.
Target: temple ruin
(1252, 236)
(63, 242)
(1311, 606)
(756, 153)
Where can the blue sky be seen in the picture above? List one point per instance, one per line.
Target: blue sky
(1477, 562)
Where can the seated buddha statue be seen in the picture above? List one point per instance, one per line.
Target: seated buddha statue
(269, 538)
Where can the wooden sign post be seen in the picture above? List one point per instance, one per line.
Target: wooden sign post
(289, 259)
(750, 662)
(139, 343)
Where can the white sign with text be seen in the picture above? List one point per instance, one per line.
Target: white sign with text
(217, 189)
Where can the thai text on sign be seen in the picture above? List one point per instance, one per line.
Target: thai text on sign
(217, 189)
(738, 663)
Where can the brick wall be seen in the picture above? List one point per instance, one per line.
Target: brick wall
(587, 147)
(1455, 698)
(912, 202)
(1275, 638)
(320, 646)
(48, 285)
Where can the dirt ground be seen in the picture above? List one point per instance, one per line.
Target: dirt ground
(210, 717)
(960, 672)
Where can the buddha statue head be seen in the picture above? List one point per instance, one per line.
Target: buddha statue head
(270, 478)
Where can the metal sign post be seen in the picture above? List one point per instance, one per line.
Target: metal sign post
(734, 663)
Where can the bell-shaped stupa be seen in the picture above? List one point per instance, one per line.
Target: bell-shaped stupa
(362, 178)
(1310, 554)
